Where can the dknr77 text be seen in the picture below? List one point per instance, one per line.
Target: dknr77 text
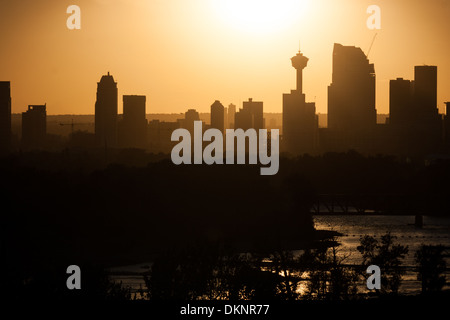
(246, 309)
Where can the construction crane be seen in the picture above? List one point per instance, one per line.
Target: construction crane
(370, 48)
(73, 124)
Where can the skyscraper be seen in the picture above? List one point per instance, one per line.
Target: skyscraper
(401, 108)
(133, 127)
(5, 116)
(425, 90)
(300, 122)
(106, 112)
(250, 116)
(190, 117)
(217, 116)
(351, 95)
(447, 125)
(34, 127)
(159, 136)
(225, 118)
(414, 120)
(231, 115)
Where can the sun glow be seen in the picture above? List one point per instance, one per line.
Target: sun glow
(260, 16)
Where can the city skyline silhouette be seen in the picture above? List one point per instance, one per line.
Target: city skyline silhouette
(188, 153)
(149, 56)
(416, 128)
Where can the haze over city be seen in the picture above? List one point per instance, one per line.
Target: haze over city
(187, 54)
(290, 152)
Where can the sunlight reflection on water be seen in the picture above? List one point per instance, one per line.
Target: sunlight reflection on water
(434, 232)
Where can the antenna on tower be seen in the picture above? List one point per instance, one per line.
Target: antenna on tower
(370, 48)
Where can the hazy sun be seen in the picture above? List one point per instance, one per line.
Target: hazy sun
(260, 16)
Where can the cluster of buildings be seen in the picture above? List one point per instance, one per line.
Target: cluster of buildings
(414, 125)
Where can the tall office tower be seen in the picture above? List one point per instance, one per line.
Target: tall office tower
(351, 95)
(159, 136)
(250, 116)
(401, 109)
(133, 127)
(217, 116)
(106, 112)
(414, 120)
(225, 118)
(425, 90)
(34, 127)
(231, 115)
(190, 117)
(447, 125)
(300, 123)
(5, 117)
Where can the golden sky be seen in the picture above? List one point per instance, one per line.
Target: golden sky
(187, 53)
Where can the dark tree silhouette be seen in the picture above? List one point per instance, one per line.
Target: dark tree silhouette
(431, 268)
(387, 255)
(329, 278)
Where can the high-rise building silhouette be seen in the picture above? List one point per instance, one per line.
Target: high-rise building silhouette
(231, 115)
(5, 117)
(425, 91)
(34, 127)
(106, 112)
(351, 95)
(225, 118)
(133, 127)
(159, 136)
(217, 116)
(300, 122)
(447, 126)
(190, 117)
(414, 120)
(352, 116)
(401, 109)
(250, 116)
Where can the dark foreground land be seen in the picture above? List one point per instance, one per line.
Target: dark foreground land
(434, 307)
(85, 209)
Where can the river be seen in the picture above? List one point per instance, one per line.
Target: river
(435, 231)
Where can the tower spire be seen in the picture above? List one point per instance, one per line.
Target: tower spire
(299, 62)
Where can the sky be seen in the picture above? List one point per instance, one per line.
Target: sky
(186, 54)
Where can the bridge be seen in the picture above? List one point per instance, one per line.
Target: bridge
(368, 204)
